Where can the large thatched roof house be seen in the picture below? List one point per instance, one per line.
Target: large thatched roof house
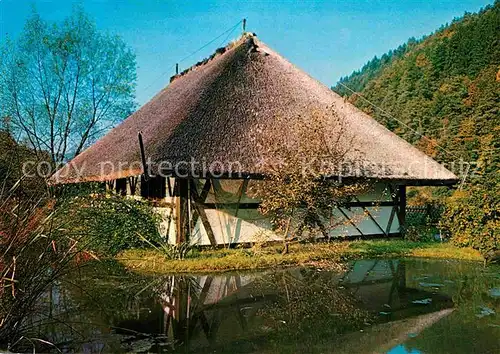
(207, 130)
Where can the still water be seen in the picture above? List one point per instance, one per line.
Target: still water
(371, 306)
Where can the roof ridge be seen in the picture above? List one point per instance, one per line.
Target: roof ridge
(218, 52)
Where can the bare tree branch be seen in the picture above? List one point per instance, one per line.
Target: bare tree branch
(62, 84)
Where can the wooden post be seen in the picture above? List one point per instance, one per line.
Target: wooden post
(199, 208)
(244, 25)
(180, 311)
(181, 210)
(145, 167)
(402, 205)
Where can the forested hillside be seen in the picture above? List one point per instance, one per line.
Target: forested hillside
(445, 91)
(445, 86)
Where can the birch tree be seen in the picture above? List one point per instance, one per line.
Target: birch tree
(63, 85)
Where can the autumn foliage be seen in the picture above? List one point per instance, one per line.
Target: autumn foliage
(300, 193)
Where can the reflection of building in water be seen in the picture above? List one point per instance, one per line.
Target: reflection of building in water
(211, 311)
(202, 307)
(381, 286)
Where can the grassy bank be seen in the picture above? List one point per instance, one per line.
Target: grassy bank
(321, 255)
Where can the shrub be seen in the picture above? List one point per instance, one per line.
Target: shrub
(472, 218)
(422, 222)
(110, 224)
(422, 233)
(174, 252)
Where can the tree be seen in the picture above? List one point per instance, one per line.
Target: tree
(298, 193)
(472, 219)
(63, 85)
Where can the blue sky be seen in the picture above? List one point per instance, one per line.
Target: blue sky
(327, 39)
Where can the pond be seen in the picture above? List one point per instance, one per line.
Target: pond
(370, 306)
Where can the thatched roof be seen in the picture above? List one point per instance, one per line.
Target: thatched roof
(218, 111)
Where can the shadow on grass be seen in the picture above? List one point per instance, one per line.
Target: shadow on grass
(381, 247)
(403, 248)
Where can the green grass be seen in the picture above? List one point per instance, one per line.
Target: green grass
(402, 248)
(319, 254)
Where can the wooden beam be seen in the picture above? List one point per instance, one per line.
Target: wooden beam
(145, 167)
(372, 218)
(172, 207)
(401, 274)
(255, 205)
(350, 221)
(242, 190)
(199, 207)
(231, 206)
(181, 210)
(169, 187)
(121, 186)
(181, 309)
(391, 218)
(132, 181)
(396, 196)
(200, 210)
(206, 189)
(402, 205)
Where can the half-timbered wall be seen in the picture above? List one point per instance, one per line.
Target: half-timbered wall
(222, 212)
(234, 217)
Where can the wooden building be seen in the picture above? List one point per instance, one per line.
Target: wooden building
(199, 145)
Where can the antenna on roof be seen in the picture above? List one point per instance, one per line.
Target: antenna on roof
(244, 25)
(177, 69)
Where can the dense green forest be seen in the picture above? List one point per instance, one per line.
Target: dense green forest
(442, 94)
